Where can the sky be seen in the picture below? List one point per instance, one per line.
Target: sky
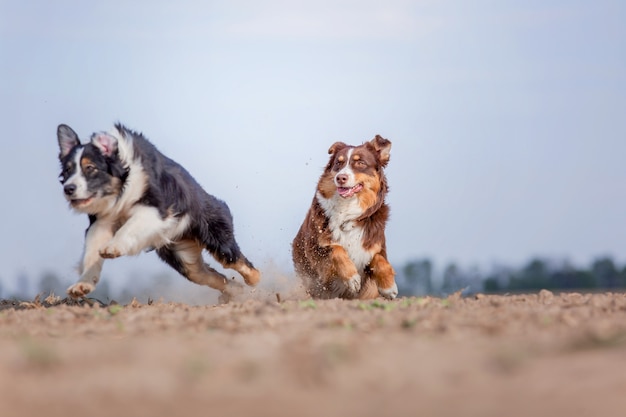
(506, 118)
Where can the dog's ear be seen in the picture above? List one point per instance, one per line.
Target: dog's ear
(336, 147)
(67, 138)
(106, 143)
(383, 147)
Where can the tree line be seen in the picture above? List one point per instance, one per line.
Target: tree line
(418, 277)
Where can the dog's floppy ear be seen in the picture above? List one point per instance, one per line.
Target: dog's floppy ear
(67, 138)
(383, 147)
(106, 143)
(335, 147)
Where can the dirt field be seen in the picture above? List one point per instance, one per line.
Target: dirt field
(521, 355)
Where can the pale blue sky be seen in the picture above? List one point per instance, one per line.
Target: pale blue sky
(506, 117)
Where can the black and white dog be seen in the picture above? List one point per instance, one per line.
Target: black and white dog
(138, 199)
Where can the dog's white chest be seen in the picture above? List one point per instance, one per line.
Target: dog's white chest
(350, 237)
(345, 231)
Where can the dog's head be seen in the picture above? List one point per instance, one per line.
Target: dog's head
(357, 172)
(92, 174)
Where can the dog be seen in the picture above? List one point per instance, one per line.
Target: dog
(137, 199)
(340, 249)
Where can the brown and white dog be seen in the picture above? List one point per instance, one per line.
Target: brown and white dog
(340, 248)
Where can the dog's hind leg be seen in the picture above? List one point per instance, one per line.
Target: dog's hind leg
(185, 257)
(221, 244)
(216, 233)
(250, 274)
(230, 257)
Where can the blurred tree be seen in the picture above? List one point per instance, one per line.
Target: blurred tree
(50, 283)
(605, 273)
(534, 276)
(567, 277)
(453, 279)
(491, 285)
(418, 277)
(499, 279)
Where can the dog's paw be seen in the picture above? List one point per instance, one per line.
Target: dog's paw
(346, 288)
(353, 285)
(232, 290)
(251, 277)
(389, 293)
(80, 289)
(110, 252)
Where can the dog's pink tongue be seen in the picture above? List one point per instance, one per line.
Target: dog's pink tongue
(344, 192)
(349, 192)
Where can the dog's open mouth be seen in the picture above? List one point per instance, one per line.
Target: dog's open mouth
(346, 192)
(77, 202)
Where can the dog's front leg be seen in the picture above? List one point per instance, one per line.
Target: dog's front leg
(144, 229)
(384, 275)
(345, 279)
(90, 266)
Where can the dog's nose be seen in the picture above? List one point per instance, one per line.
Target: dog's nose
(69, 189)
(342, 179)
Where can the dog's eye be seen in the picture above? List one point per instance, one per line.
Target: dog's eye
(89, 169)
(360, 164)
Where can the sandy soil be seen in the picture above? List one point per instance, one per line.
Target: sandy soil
(519, 355)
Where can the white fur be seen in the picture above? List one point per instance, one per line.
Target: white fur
(112, 206)
(123, 227)
(342, 213)
(347, 170)
(97, 236)
(78, 179)
(125, 149)
(136, 182)
(144, 229)
(354, 284)
(389, 293)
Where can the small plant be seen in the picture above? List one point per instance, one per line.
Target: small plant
(365, 306)
(376, 304)
(114, 309)
(382, 305)
(411, 301)
(308, 304)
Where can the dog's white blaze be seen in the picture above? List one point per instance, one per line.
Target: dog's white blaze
(348, 171)
(342, 213)
(78, 179)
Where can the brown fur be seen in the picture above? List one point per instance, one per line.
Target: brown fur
(319, 259)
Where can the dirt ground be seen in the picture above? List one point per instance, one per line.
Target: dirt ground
(516, 355)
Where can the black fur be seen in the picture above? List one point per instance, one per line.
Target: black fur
(172, 189)
(168, 187)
